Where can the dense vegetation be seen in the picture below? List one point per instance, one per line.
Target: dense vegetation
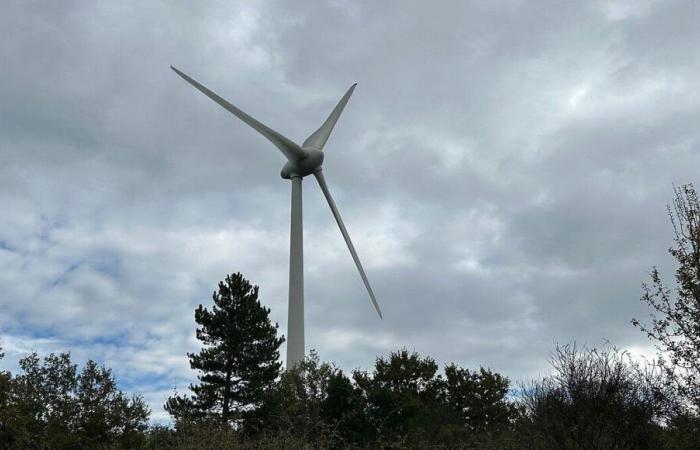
(49, 404)
(591, 399)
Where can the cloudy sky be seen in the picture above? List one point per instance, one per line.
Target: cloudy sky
(503, 168)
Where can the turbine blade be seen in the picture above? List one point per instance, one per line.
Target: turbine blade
(346, 236)
(319, 137)
(291, 150)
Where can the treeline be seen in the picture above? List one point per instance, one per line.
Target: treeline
(50, 404)
(591, 398)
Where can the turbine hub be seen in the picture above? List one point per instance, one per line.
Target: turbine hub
(311, 162)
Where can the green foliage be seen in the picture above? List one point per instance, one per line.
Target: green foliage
(8, 414)
(217, 436)
(408, 403)
(54, 406)
(593, 399)
(239, 360)
(314, 401)
(403, 397)
(105, 414)
(480, 397)
(402, 402)
(295, 402)
(44, 396)
(682, 431)
(344, 409)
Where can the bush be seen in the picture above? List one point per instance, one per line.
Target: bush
(594, 399)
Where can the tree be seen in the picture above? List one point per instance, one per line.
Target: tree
(104, 413)
(8, 416)
(675, 320)
(594, 399)
(404, 401)
(316, 402)
(404, 398)
(305, 403)
(44, 397)
(480, 397)
(56, 407)
(240, 358)
(344, 409)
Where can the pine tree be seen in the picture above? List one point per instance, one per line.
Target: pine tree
(240, 357)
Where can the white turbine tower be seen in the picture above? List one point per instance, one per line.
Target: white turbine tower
(302, 160)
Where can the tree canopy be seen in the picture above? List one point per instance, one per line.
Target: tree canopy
(239, 359)
(50, 404)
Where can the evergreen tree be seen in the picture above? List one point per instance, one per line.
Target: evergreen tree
(240, 358)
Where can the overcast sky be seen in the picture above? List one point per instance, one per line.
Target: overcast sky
(503, 168)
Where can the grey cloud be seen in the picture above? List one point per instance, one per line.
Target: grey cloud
(503, 168)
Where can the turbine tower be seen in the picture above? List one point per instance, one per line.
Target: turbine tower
(303, 160)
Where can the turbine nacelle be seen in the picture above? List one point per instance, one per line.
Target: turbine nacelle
(309, 163)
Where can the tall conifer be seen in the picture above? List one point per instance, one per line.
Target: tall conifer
(239, 358)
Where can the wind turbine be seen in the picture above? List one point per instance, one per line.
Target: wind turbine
(303, 160)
